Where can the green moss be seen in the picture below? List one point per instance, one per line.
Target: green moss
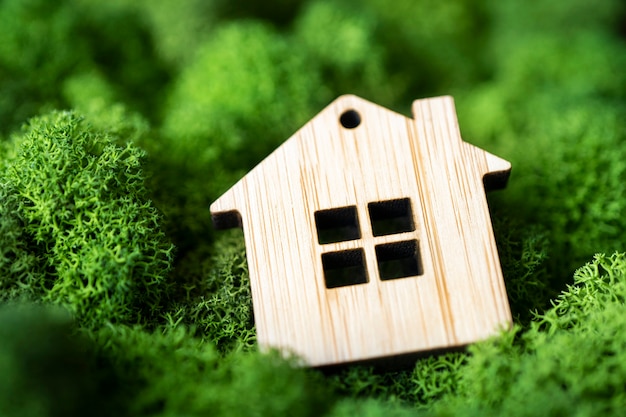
(433, 47)
(212, 295)
(432, 378)
(193, 95)
(245, 91)
(369, 408)
(177, 28)
(245, 82)
(92, 95)
(171, 373)
(81, 209)
(46, 372)
(554, 109)
(44, 42)
(571, 361)
(20, 268)
(524, 252)
(36, 50)
(345, 48)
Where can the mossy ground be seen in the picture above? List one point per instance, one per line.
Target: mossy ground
(121, 121)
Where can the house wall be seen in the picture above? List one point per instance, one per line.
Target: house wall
(459, 295)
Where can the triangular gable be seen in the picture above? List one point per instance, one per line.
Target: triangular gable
(224, 209)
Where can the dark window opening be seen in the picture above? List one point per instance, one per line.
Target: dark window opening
(337, 225)
(344, 268)
(399, 260)
(390, 217)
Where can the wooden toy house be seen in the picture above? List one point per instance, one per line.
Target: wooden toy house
(368, 235)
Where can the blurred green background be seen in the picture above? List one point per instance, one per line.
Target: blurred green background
(121, 121)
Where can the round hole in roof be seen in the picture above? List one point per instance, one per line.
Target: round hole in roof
(350, 119)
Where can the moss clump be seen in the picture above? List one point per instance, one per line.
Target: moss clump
(570, 362)
(171, 373)
(83, 222)
(37, 35)
(46, 370)
(45, 42)
(565, 141)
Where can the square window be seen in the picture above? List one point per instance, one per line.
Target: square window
(399, 260)
(391, 216)
(337, 225)
(344, 268)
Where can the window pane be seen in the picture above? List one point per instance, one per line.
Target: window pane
(337, 225)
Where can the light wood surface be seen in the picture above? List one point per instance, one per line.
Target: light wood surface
(455, 295)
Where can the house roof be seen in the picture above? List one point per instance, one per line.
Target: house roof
(224, 208)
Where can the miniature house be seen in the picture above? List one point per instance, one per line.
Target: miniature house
(368, 235)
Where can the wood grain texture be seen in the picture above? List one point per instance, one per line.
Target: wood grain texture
(457, 297)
